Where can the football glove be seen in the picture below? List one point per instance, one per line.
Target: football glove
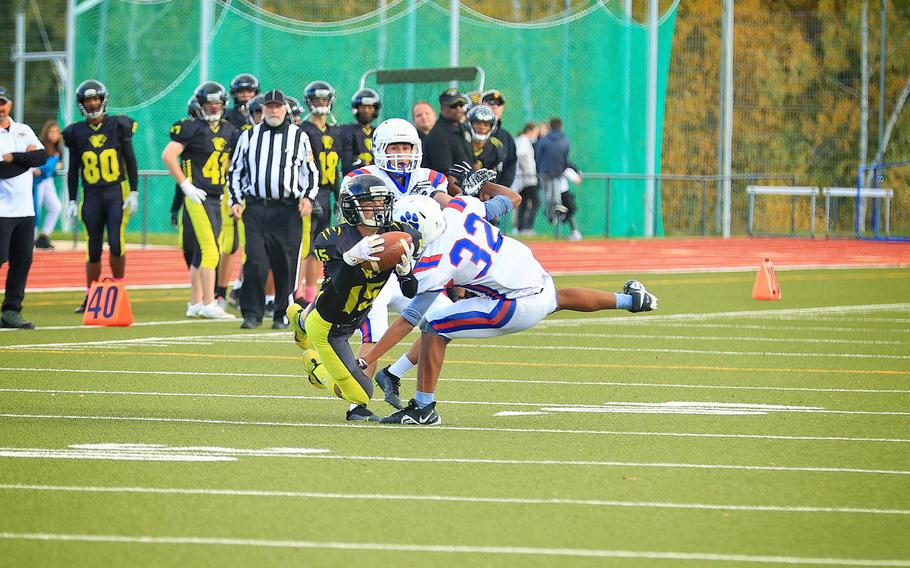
(423, 188)
(72, 209)
(460, 171)
(131, 203)
(475, 181)
(364, 250)
(192, 192)
(406, 265)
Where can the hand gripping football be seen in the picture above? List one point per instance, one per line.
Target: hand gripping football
(395, 244)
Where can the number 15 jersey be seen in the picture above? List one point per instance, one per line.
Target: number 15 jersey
(473, 254)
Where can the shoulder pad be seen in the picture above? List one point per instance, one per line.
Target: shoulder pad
(495, 141)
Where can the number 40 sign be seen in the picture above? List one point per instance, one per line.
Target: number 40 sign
(108, 304)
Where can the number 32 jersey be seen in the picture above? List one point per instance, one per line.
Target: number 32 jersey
(207, 151)
(473, 254)
(97, 149)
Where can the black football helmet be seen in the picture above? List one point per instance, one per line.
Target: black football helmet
(319, 90)
(254, 106)
(366, 97)
(481, 113)
(357, 191)
(192, 108)
(242, 82)
(211, 92)
(296, 111)
(89, 89)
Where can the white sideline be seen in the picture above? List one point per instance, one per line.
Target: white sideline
(581, 407)
(458, 380)
(447, 428)
(452, 499)
(452, 549)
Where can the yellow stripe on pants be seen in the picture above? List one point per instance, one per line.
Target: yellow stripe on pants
(205, 235)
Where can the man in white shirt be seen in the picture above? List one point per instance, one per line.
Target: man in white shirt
(20, 151)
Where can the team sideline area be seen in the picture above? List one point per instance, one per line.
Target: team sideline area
(716, 431)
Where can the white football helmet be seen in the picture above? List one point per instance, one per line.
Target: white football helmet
(396, 131)
(422, 213)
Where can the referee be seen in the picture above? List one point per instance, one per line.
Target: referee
(273, 181)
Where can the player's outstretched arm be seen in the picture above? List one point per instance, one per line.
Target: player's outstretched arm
(491, 190)
(397, 331)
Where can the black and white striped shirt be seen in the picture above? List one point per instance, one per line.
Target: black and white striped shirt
(273, 163)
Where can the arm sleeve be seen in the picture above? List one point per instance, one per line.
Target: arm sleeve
(497, 207)
(238, 175)
(418, 306)
(408, 284)
(31, 159)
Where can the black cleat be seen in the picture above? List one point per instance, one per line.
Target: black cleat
(14, 320)
(361, 413)
(413, 416)
(250, 323)
(42, 242)
(81, 308)
(642, 300)
(234, 298)
(390, 385)
(269, 310)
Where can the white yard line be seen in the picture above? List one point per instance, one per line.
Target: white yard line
(137, 324)
(237, 374)
(451, 499)
(450, 549)
(450, 428)
(788, 329)
(663, 337)
(610, 406)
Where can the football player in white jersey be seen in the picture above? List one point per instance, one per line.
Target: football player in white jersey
(514, 292)
(397, 153)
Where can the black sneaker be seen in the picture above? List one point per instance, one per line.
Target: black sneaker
(14, 320)
(42, 242)
(234, 298)
(411, 415)
(642, 300)
(361, 413)
(390, 385)
(250, 323)
(81, 308)
(269, 310)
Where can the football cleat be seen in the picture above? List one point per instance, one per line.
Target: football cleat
(642, 300)
(414, 416)
(310, 365)
(390, 385)
(361, 413)
(211, 311)
(295, 313)
(194, 310)
(81, 308)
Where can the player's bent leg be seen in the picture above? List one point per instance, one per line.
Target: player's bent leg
(295, 313)
(346, 377)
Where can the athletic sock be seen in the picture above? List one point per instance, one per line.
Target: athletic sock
(401, 367)
(220, 291)
(623, 301)
(424, 399)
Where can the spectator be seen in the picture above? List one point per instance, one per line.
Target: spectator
(423, 115)
(526, 178)
(508, 157)
(448, 142)
(44, 188)
(552, 163)
(20, 151)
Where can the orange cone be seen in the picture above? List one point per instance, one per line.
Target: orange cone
(766, 286)
(108, 304)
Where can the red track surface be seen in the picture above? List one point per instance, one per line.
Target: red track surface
(162, 266)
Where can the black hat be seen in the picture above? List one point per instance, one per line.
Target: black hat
(274, 96)
(492, 97)
(4, 94)
(451, 97)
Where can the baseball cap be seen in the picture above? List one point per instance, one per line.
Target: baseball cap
(274, 97)
(451, 97)
(4, 94)
(492, 96)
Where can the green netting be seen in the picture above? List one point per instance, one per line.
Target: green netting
(587, 64)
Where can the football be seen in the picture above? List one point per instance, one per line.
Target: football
(395, 243)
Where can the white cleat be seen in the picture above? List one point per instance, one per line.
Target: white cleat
(215, 312)
(193, 310)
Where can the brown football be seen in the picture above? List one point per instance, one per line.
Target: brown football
(395, 242)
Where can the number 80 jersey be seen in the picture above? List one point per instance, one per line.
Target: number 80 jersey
(473, 254)
(96, 150)
(207, 151)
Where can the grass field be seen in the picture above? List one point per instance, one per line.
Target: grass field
(718, 431)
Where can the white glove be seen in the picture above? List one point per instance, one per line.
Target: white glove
(423, 188)
(192, 192)
(406, 265)
(131, 203)
(364, 250)
(72, 209)
(475, 181)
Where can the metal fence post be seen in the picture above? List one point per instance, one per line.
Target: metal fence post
(145, 211)
(704, 207)
(607, 209)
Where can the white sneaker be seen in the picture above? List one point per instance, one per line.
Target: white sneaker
(214, 312)
(222, 303)
(192, 310)
(574, 236)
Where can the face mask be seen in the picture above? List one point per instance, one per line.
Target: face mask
(273, 121)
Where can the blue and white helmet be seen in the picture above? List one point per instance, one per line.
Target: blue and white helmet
(422, 213)
(397, 131)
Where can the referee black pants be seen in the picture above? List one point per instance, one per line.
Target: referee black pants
(17, 240)
(274, 233)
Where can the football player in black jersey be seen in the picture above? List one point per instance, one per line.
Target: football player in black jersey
(101, 150)
(182, 222)
(348, 291)
(357, 137)
(295, 111)
(482, 124)
(319, 98)
(243, 88)
(204, 145)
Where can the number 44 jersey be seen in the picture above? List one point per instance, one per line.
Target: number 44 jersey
(473, 254)
(207, 151)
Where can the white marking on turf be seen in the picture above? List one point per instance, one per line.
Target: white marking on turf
(670, 407)
(451, 499)
(233, 374)
(788, 329)
(135, 324)
(713, 338)
(151, 452)
(518, 413)
(451, 549)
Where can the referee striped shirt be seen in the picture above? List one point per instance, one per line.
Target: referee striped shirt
(273, 163)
